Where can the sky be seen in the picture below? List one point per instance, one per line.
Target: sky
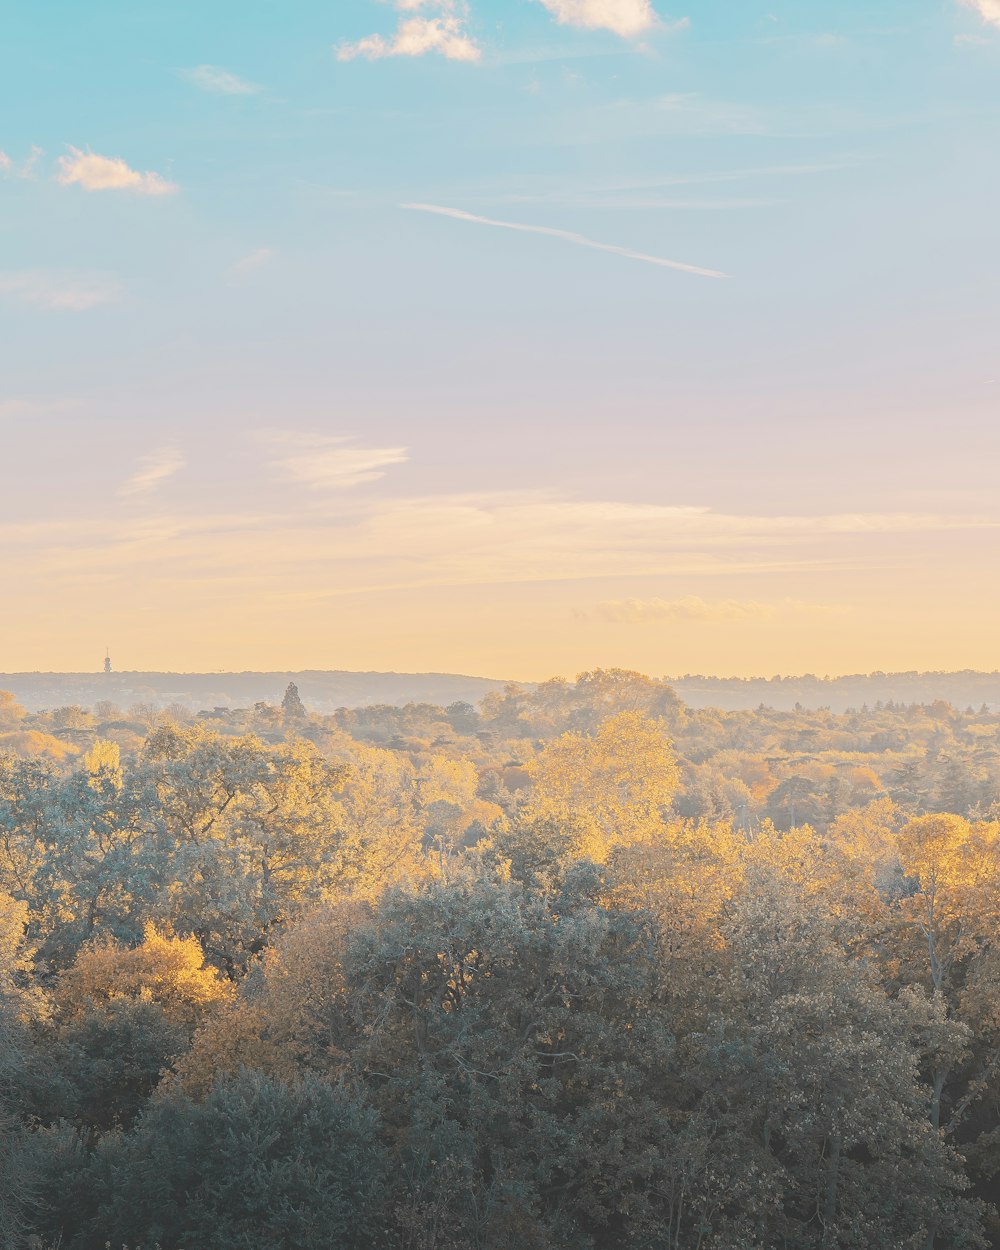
(509, 337)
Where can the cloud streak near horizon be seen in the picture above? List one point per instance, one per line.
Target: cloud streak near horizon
(451, 540)
(323, 462)
(153, 470)
(568, 236)
(459, 557)
(695, 608)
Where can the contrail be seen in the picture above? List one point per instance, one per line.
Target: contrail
(570, 237)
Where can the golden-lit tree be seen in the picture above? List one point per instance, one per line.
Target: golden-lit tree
(11, 712)
(621, 780)
(166, 970)
(377, 821)
(292, 1016)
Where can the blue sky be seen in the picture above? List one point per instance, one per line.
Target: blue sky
(257, 412)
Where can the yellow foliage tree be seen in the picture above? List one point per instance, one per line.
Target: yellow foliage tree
(955, 909)
(947, 941)
(104, 764)
(11, 712)
(296, 1015)
(377, 820)
(33, 744)
(685, 880)
(621, 780)
(16, 1001)
(166, 970)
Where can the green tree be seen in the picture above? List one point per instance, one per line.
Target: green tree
(291, 704)
(257, 1165)
(506, 1040)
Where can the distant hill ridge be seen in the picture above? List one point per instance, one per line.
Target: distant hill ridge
(325, 690)
(322, 691)
(962, 689)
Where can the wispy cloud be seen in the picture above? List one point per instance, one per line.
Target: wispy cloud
(567, 236)
(28, 167)
(60, 291)
(444, 32)
(988, 10)
(693, 608)
(108, 173)
(688, 608)
(153, 469)
(628, 18)
(25, 169)
(325, 463)
(345, 543)
(219, 81)
(257, 259)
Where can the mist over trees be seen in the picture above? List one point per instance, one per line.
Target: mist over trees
(580, 966)
(334, 689)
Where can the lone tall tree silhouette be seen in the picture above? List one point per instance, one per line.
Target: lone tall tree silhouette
(291, 704)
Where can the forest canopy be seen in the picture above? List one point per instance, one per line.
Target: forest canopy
(578, 966)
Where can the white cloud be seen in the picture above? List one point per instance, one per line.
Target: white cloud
(568, 236)
(628, 18)
(256, 259)
(60, 292)
(6, 164)
(108, 173)
(153, 469)
(321, 462)
(988, 10)
(445, 32)
(219, 81)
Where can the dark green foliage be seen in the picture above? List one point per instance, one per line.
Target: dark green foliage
(509, 1050)
(16, 1172)
(102, 1068)
(258, 1165)
(291, 704)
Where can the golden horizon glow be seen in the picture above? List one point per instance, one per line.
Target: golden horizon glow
(591, 335)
